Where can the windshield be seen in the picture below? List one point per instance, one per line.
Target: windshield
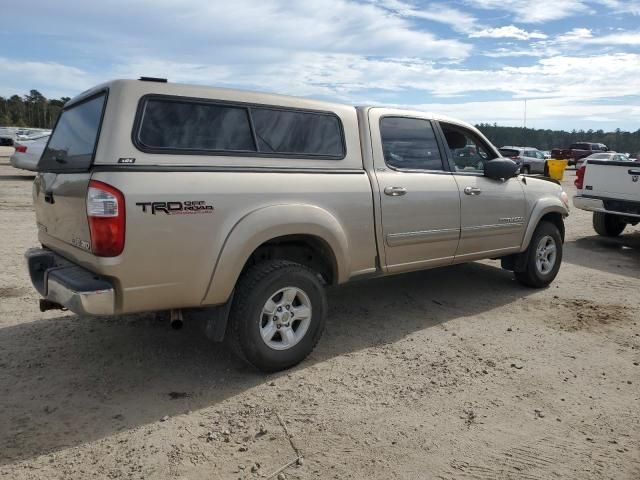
(74, 138)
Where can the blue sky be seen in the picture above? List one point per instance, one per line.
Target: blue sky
(577, 62)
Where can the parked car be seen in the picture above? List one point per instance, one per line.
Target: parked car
(27, 152)
(7, 137)
(531, 160)
(240, 207)
(611, 190)
(512, 153)
(577, 151)
(607, 156)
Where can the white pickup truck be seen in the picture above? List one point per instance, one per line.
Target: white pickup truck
(611, 190)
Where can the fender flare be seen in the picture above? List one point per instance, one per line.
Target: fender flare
(264, 224)
(541, 208)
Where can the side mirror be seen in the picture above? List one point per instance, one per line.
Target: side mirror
(501, 169)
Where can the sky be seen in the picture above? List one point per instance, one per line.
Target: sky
(575, 62)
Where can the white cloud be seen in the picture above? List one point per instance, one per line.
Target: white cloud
(584, 36)
(537, 11)
(436, 12)
(337, 26)
(350, 77)
(509, 31)
(17, 76)
(576, 34)
(622, 6)
(541, 113)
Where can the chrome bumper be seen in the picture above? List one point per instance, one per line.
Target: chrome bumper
(590, 204)
(598, 205)
(62, 282)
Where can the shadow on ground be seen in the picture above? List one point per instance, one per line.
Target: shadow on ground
(618, 255)
(69, 380)
(18, 177)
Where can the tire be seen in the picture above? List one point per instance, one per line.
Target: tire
(526, 169)
(607, 225)
(263, 287)
(541, 267)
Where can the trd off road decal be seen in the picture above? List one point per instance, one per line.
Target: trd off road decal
(190, 207)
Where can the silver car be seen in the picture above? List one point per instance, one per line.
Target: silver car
(28, 152)
(531, 159)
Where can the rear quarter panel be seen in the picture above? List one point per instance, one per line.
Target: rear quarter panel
(169, 259)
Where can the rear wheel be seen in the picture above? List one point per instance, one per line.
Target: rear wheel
(278, 314)
(608, 225)
(526, 169)
(543, 257)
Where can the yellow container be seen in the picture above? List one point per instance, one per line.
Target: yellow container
(556, 168)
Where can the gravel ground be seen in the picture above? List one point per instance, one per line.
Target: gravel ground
(457, 372)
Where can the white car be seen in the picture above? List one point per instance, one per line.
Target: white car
(28, 152)
(606, 156)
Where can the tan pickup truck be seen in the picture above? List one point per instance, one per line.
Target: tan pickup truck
(240, 207)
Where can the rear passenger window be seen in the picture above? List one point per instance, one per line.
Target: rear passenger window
(198, 126)
(410, 143)
(175, 125)
(299, 133)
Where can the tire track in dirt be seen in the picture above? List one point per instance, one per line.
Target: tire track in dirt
(537, 461)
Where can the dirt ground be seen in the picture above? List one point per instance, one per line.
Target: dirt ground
(458, 372)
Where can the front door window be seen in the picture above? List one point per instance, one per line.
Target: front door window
(468, 151)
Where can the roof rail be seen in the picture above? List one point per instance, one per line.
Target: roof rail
(153, 79)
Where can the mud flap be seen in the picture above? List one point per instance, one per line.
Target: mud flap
(515, 263)
(213, 319)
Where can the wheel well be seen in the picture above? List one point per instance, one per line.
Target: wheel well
(307, 250)
(556, 219)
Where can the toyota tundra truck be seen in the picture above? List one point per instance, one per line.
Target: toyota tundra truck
(611, 190)
(240, 208)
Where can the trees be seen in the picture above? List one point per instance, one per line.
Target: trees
(33, 110)
(618, 140)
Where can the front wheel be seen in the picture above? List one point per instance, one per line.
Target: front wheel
(607, 225)
(543, 257)
(278, 314)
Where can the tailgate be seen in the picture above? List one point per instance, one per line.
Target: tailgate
(615, 180)
(59, 201)
(64, 171)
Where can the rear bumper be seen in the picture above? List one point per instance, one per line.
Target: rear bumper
(69, 285)
(605, 205)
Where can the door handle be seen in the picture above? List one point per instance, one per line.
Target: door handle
(395, 191)
(472, 191)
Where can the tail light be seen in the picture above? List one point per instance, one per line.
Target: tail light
(106, 214)
(21, 148)
(579, 181)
